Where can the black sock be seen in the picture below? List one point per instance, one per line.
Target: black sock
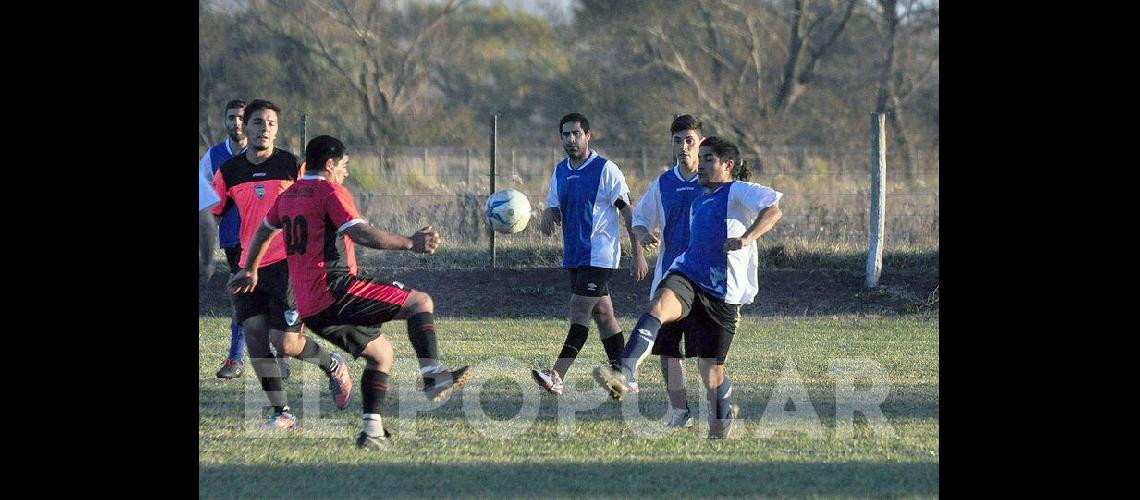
(373, 388)
(574, 342)
(313, 350)
(421, 333)
(269, 374)
(614, 344)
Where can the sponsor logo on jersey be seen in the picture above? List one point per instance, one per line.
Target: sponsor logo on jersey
(689, 188)
(260, 190)
(572, 177)
(259, 174)
(291, 317)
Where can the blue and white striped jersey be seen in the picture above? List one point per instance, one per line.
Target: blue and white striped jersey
(715, 216)
(665, 208)
(591, 224)
(229, 229)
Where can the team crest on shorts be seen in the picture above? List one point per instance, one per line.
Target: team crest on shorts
(260, 190)
(291, 317)
(591, 286)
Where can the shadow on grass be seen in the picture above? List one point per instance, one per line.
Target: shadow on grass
(589, 479)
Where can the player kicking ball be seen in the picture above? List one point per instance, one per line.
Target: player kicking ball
(322, 226)
(708, 283)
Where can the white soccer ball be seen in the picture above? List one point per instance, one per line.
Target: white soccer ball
(508, 211)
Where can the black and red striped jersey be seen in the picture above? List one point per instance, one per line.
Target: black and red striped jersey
(312, 215)
(254, 188)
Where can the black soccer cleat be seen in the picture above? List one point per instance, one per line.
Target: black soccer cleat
(363, 440)
(437, 386)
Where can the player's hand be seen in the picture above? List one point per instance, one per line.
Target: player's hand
(650, 241)
(551, 218)
(426, 241)
(243, 282)
(733, 244)
(640, 268)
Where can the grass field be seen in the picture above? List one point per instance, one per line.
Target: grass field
(452, 451)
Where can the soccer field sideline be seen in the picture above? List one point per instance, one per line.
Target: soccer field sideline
(456, 450)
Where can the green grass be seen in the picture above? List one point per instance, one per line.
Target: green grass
(599, 455)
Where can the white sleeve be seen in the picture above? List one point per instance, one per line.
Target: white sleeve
(205, 168)
(754, 197)
(207, 197)
(614, 182)
(552, 194)
(649, 212)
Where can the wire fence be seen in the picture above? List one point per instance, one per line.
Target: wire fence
(827, 192)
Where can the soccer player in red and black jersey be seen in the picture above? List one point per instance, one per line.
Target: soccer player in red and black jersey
(322, 226)
(253, 181)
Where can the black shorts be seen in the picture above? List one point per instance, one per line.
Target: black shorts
(710, 324)
(590, 281)
(233, 257)
(668, 341)
(362, 305)
(273, 297)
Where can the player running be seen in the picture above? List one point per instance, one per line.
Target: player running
(252, 181)
(708, 283)
(587, 192)
(322, 225)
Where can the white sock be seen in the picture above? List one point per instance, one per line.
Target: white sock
(373, 425)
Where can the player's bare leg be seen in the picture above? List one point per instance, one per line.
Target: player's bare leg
(268, 373)
(673, 372)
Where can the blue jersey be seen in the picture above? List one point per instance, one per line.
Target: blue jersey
(591, 228)
(715, 216)
(665, 208)
(229, 230)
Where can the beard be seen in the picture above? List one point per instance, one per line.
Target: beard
(236, 136)
(572, 151)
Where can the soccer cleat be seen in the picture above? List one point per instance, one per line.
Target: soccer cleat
(363, 440)
(340, 384)
(438, 385)
(722, 428)
(549, 380)
(282, 420)
(679, 417)
(230, 369)
(614, 382)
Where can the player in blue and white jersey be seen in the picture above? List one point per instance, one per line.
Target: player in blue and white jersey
(709, 282)
(229, 225)
(665, 210)
(587, 194)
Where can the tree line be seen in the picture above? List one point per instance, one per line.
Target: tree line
(762, 72)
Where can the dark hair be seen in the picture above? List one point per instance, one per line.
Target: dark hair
(258, 105)
(235, 104)
(321, 149)
(574, 117)
(685, 122)
(728, 151)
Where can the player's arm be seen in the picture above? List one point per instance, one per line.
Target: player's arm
(423, 241)
(246, 279)
(763, 223)
(207, 231)
(646, 217)
(640, 267)
(552, 215)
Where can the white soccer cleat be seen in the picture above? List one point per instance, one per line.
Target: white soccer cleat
(549, 380)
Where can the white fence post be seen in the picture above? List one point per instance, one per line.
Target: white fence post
(878, 198)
